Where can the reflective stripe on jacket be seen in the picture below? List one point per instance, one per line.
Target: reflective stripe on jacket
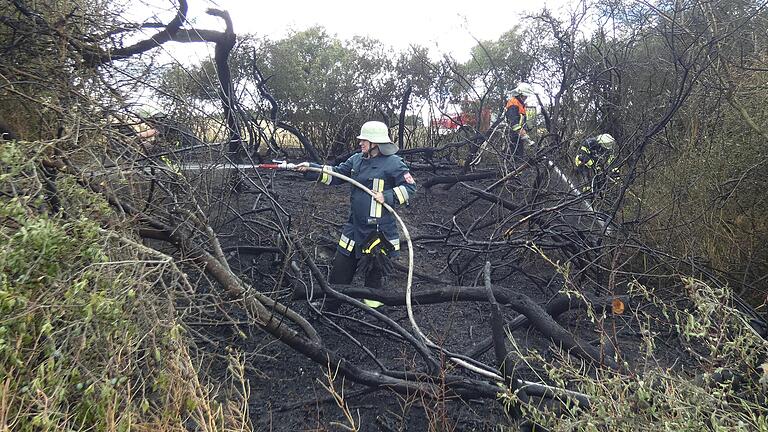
(592, 155)
(516, 114)
(386, 174)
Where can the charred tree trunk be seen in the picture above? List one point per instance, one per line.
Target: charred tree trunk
(403, 107)
(224, 44)
(261, 84)
(497, 323)
(453, 179)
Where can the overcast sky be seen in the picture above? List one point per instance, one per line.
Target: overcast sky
(444, 26)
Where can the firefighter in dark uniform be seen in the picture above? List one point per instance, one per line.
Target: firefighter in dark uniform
(370, 235)
(516, 114)
(593, 158)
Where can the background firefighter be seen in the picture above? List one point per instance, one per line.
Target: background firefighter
(516, 114)
(370, 237)
(593, 158)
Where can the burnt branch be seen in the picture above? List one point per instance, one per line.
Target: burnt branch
(261, 84)
(401, 118)
(168, 33)
(497, 326)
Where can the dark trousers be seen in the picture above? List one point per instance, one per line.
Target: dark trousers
(593, 179)
(343, 271)
(516, 145)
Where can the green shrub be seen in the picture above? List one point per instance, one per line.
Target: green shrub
(86, 341)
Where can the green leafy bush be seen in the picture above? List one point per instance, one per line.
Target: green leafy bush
(86, 341)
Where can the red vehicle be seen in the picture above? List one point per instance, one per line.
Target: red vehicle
(448, 123)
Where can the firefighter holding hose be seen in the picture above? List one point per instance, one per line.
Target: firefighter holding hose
(370, 236)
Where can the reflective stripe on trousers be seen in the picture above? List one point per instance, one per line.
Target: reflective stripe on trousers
(346, 243)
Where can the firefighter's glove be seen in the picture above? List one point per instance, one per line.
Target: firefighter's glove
(583, 160)
(376, 252)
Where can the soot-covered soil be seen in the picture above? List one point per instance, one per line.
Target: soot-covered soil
(288, 392)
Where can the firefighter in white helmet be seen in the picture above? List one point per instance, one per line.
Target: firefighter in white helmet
(517, 113)
(593, 158)
(370, 237)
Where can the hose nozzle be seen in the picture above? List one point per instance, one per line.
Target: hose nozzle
(278, 165)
